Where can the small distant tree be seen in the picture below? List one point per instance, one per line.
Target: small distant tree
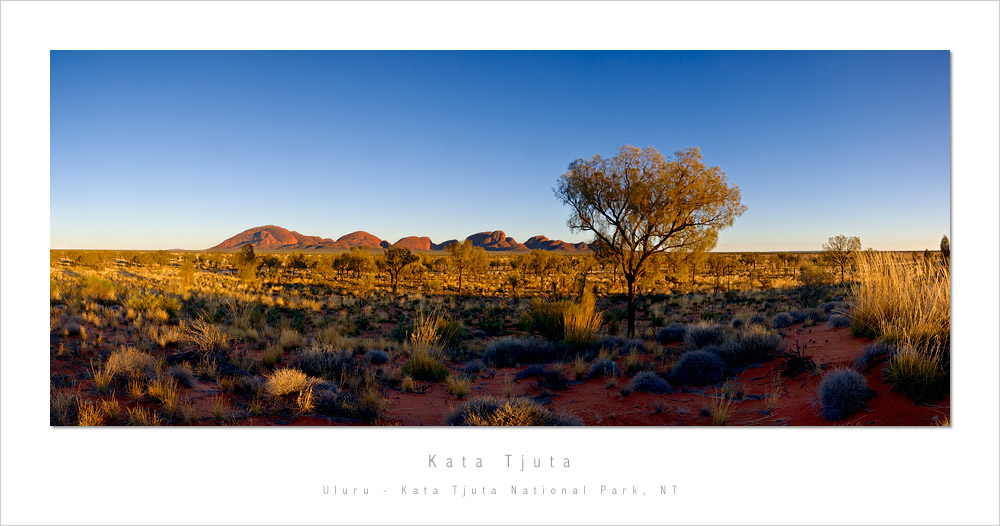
(638, 203)
(466, 259)
(245, 255)
(540, 263)
(945, 250)
(840, 252)
(813, 283)
(393, 260)
(187, 272)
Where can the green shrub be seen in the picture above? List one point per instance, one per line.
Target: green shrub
(546, 317)
(919, 375)
(425, 366)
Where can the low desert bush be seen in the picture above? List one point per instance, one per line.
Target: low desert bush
(127, 361)
(531, 371)
(580, 367)
(802, 315)
(920, 375)
(512, 350)
(875, 353)
(495, 411)
(752, 344)
(703, 334)
(325, 362)
(649, 382)
(207, 337)
(674, 332)
(782, 320)
(699, 368)
(838, 321)
(474, 367)
(286, 381)
(603, 368)
(272, 354)
(834, 307)
(376, 356)
(289, 339)
(843, 392)
(634, 345)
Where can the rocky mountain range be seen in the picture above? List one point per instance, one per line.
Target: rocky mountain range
(271, 237)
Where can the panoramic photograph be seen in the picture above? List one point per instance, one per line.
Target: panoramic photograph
(500, 238)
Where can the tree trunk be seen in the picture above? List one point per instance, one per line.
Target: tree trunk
(631, 306)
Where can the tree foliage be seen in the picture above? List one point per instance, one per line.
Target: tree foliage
(466, 259)
(638, 203)
(393, 260)
(840, 252)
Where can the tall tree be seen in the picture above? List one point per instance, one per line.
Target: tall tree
(840, 251)
(945, 250)
(393, 260)
(638, 203)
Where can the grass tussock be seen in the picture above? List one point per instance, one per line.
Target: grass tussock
(286, 381)
(581, 321)
(902, 301)
(920, 375)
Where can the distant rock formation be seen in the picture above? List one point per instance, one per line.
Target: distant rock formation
(414, 243)
(544, 243)
(495, 240)
(271, 237)
(361, 239)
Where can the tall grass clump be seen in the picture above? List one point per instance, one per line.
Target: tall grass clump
(497, 411)
(906, 303)
(581, 321)
(902, 301)
(920, 375)
(546, 318)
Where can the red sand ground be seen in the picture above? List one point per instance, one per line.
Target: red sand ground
(596, 403)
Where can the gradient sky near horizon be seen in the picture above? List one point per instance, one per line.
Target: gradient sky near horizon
(179, 149)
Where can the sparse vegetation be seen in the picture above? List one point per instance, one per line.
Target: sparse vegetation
(301, 335)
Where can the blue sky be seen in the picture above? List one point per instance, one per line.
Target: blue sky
(162, 149)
